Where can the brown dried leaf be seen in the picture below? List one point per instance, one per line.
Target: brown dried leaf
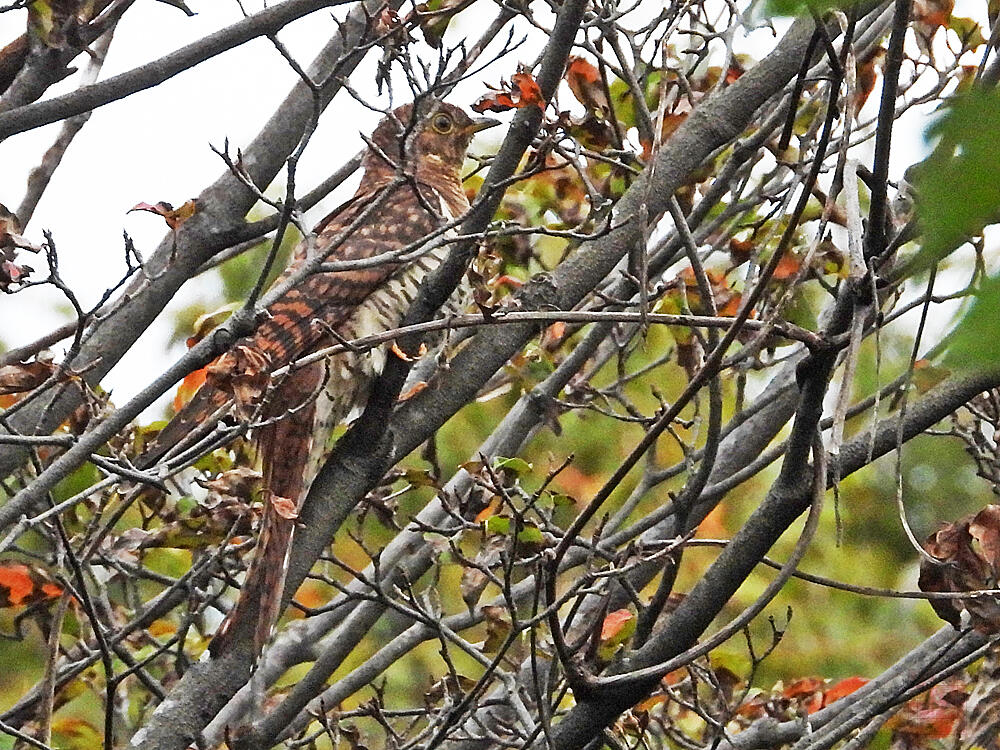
(173, 216)
(584, 81)
(969, 555)
(241, 483)
(244, 373)
(474, 582)
(22, 377)
(285, 507)
(497, 628)
(10, 242)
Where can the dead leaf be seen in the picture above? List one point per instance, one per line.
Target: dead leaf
(241, 482)
(474, 582)
(969, 555)
(284, 507)
(24, 376)
(584, 81)
(173, 216)
(740, 251)
(11, 242)
(868, 67)
(244, 373)
(522, 91)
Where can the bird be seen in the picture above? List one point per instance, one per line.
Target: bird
(411, 186)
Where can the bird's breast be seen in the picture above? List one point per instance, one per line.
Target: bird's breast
(350, 374)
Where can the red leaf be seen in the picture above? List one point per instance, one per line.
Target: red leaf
(20, 584)
(522, 91)
(614, 623)
(585, 82)
(842, 688)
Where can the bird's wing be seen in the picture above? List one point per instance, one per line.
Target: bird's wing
(372, 223)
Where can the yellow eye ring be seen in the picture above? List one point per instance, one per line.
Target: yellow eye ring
(442, 124)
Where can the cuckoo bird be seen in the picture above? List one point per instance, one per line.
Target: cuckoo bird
(411, 187)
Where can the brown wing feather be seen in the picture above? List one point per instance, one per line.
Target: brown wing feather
(301, 319)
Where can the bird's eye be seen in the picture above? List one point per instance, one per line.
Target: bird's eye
(442, 124)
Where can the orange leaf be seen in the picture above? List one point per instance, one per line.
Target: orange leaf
(787, 267)
(488, 511)
(312, 594)
(419, 386)
(16, 580)
(731, 307)
(21, 584)
(842, 688)
(528, 89)
(188, 387)
(614, 623)
(867, 74)
(647, 703)
(522, 91)
(741, 250)
(406, 357)
(803, 686)
(173, 216)
(714, 524)
(553, 334)
(160, 628)
(585, 82)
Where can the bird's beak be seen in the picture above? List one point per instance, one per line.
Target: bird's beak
(481, 123)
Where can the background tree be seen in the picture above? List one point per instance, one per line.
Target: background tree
(699, 310)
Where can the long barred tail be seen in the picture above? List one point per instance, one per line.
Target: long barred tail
(260, 598)
(285, 448)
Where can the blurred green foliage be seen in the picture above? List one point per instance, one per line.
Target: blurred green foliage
(957, 190)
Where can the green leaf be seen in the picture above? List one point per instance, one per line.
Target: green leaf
(186, 505)
(42, 20)
(957, 193)
(84, 476)
(498, 525)
(974, 344)
(970, 32)
(515, 465)
(239, 274)
(530, 534)
(803, 7)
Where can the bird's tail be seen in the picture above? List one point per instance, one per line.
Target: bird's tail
(285, 444)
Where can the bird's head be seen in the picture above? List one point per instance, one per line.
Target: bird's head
(429, 141)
